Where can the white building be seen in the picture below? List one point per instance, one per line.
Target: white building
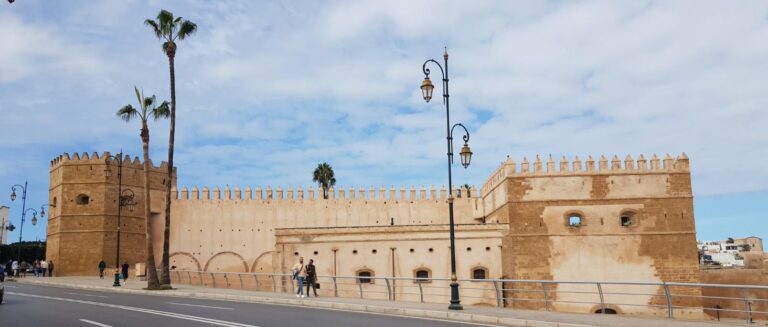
(3, 224)
(726, 253)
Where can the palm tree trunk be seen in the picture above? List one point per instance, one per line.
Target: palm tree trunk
(165, 276)
(152, 282)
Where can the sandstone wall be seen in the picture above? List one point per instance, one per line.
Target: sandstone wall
(82, 234)
(658, 243)
(732, 300)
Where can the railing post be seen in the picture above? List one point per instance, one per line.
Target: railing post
(274, 283)
(668, 295)
(747, 306)
(226, 279)
(421, 292)
(200, 275)
(240, 276)
(389, 289)
(256, 277)
(178, 276)
(213, 278)
(293, 285)
(546, 298)
(498, 293)
(189, 274)
(602, 299)
(360, 285)
(335, 287)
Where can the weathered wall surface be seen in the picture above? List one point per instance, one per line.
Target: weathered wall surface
(82, 234)
(542, 244)
(235, 230)
(398, 251)
(733, 298)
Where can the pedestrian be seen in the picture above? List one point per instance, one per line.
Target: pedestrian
(23, 267)
(2, 273)
(102, 266)
(36, 268)
(15, 268)
(311, 277)
(50, 268)
(9, 268)
(125, 271)
(299, 274)
(43, 267)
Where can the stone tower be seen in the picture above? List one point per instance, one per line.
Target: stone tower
(606, 220)
(83, 215)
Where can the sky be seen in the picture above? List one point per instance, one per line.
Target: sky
(266, 90)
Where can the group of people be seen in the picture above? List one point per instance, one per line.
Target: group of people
(39, 268)
(123, 270)
(305, 275)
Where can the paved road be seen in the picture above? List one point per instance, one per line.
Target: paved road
(39, 306)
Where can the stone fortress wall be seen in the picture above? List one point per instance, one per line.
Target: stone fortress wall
(517, 226)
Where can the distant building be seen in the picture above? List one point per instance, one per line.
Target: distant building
(729, 253)
(3, 224)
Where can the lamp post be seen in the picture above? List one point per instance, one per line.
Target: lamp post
(466, 157)
(125, 199)
(24, 211)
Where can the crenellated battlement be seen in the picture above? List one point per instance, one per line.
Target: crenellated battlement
(564, 167)
(316, 194)
(95, 158)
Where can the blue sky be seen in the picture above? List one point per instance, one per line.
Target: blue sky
(266, 90)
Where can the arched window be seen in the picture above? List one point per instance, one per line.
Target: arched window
(365, 277)
(422, 275)
(479, 273)
(628, 218)
(82, 199)
(574, 220)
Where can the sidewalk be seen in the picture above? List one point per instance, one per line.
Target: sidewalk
(496, 316)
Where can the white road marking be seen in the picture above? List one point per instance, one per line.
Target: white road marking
(94, 323)
(142, 310)
(81, 294)
(201, 306)
(8, 286)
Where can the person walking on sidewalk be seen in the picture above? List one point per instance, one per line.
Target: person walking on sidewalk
(299, 274)
(124, 269)
(50, 268)
(102, 266)
(311, 277)
(43, 268)
(15, 268)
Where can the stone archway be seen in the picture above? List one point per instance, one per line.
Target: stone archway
(226, 261)
(184, 261)
(263, 263)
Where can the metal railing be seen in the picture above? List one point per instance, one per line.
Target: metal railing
(688, 301)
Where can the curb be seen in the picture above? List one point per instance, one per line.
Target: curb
(375, 309)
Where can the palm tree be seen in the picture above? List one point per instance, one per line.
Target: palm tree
(323, 176)
(169, 29)
(128, 113)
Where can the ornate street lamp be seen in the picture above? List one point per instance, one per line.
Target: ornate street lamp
(125, 199)
(466, 158)
(24, 211)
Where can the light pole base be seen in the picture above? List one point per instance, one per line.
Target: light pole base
(455, 302)
(117, 280)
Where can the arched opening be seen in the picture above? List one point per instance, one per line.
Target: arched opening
(627, 218)
(608, 311)
(479, 273)
(422, 275)
(365, 276)
(574, 220)
(82, 199)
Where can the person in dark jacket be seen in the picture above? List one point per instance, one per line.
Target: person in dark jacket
(102, 266)
(50, 268)
(311, 277)
(124, 269)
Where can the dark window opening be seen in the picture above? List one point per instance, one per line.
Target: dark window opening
(364, 277)
(627, 219)
(422, 275)
(607, 311)
(479, 273)
(575, 220)
(82, 199)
